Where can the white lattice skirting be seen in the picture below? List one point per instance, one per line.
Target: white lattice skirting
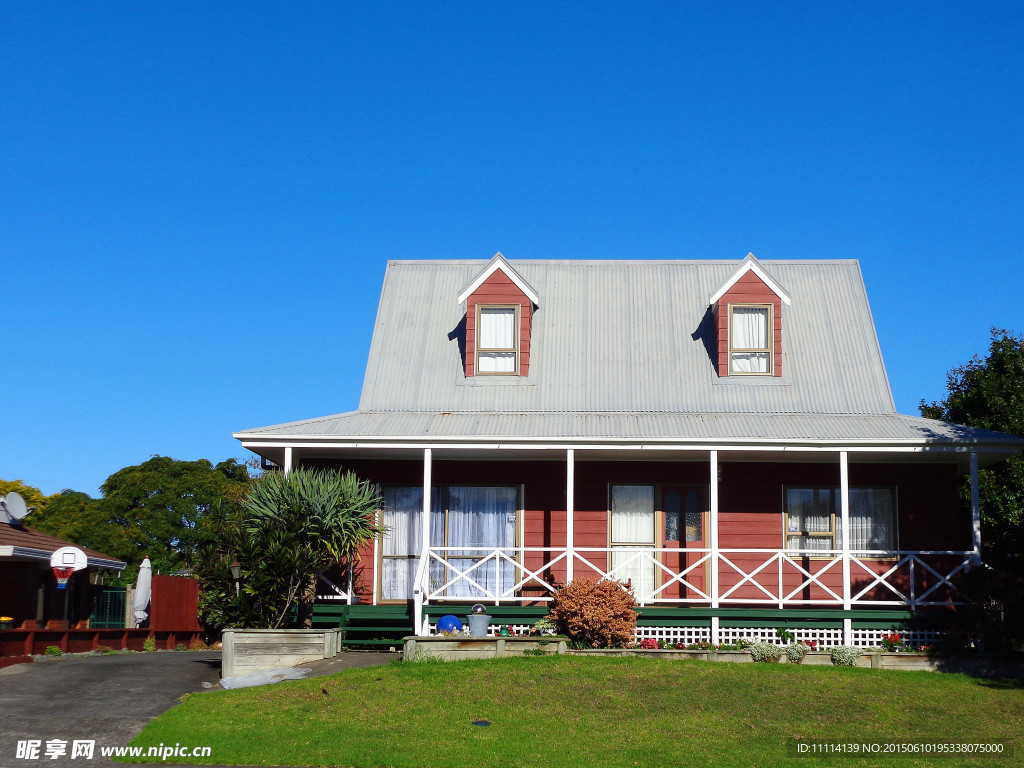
(826, 637)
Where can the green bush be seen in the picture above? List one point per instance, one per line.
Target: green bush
(795, 652)
(104, 649)
(765, 653)
(844, 655)
(149, 645)
(53, 650)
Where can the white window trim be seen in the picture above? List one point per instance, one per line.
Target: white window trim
(515, 341)
(770, 350)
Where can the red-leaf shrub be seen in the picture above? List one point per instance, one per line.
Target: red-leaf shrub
(598, 614)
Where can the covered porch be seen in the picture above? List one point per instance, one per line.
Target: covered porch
(720, 568)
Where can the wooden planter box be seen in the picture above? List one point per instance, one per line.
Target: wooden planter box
(249, 650)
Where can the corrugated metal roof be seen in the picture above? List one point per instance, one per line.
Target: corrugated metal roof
(620, 349)
(629, 426)
(626, 336)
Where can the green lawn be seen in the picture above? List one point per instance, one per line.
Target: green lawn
(593, 712)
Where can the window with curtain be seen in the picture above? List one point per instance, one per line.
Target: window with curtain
(496, 340)
(814, 519)
(402, 516)
(750, 339)
(481, 517)
(632, 531)
(469, 516)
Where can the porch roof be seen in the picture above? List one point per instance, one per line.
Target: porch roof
(741, 429)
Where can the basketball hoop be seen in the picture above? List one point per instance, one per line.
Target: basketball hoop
(63, 574)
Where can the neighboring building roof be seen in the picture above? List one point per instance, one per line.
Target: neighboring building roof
(23, 543)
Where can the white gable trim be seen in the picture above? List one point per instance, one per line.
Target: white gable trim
(499, 262)
(750, 265)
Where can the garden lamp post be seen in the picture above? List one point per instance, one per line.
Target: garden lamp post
(236, 574)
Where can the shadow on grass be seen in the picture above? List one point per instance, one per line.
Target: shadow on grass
(1004, 671)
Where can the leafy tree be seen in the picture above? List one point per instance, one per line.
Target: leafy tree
(989, 394)
(153, 508)
(297, 525)
(73, 516)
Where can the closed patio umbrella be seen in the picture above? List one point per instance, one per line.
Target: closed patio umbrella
(143, 589)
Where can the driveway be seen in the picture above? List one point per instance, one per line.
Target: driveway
(109, 699)
(106, 699)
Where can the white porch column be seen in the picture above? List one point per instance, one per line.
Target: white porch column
(713, 537)
(287, 459)
(844, 494)
(570, 512)
(975, 509)
(421, 619)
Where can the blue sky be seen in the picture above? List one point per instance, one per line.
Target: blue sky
(199, 199)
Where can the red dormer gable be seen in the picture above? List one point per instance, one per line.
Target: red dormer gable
(747, 313)
(499, 317)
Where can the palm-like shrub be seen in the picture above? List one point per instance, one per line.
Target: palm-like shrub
(300, 524)
(597, 614)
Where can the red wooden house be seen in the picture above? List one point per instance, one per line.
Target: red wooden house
(723, 435)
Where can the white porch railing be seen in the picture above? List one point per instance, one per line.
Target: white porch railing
(781, 578)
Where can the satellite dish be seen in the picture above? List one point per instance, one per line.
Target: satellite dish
(15, 505)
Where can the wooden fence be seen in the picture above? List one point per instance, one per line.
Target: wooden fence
(25, 642)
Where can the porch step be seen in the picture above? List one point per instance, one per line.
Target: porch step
(366, 626)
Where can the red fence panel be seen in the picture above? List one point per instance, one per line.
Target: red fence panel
(174, 604)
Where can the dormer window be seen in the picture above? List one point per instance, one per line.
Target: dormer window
(747, 316)
(750, 339)
(499, 321)
(497, 343)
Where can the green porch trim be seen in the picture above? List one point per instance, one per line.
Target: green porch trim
(375, 626)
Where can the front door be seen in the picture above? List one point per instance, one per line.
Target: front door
(684, 508)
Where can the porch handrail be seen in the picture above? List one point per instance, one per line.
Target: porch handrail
(767, 579)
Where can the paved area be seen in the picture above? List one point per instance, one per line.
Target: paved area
(109, 699)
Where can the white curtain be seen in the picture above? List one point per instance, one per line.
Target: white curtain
(497, 331)
(403, 521)
(749, 331)
(497, 328)
(481, 518)
(871, 519)
(810, 510)
(633, 514)
(633, 522)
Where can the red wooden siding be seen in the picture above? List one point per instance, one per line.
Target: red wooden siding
(749, 289)
(499, 289)
(750, 507)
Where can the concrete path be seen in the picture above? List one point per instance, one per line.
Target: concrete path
(109, 699)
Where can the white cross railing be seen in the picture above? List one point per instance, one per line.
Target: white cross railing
(782, 578)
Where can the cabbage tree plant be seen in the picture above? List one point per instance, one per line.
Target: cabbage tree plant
(298, 525)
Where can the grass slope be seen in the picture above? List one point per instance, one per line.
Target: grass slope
(592, 712)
